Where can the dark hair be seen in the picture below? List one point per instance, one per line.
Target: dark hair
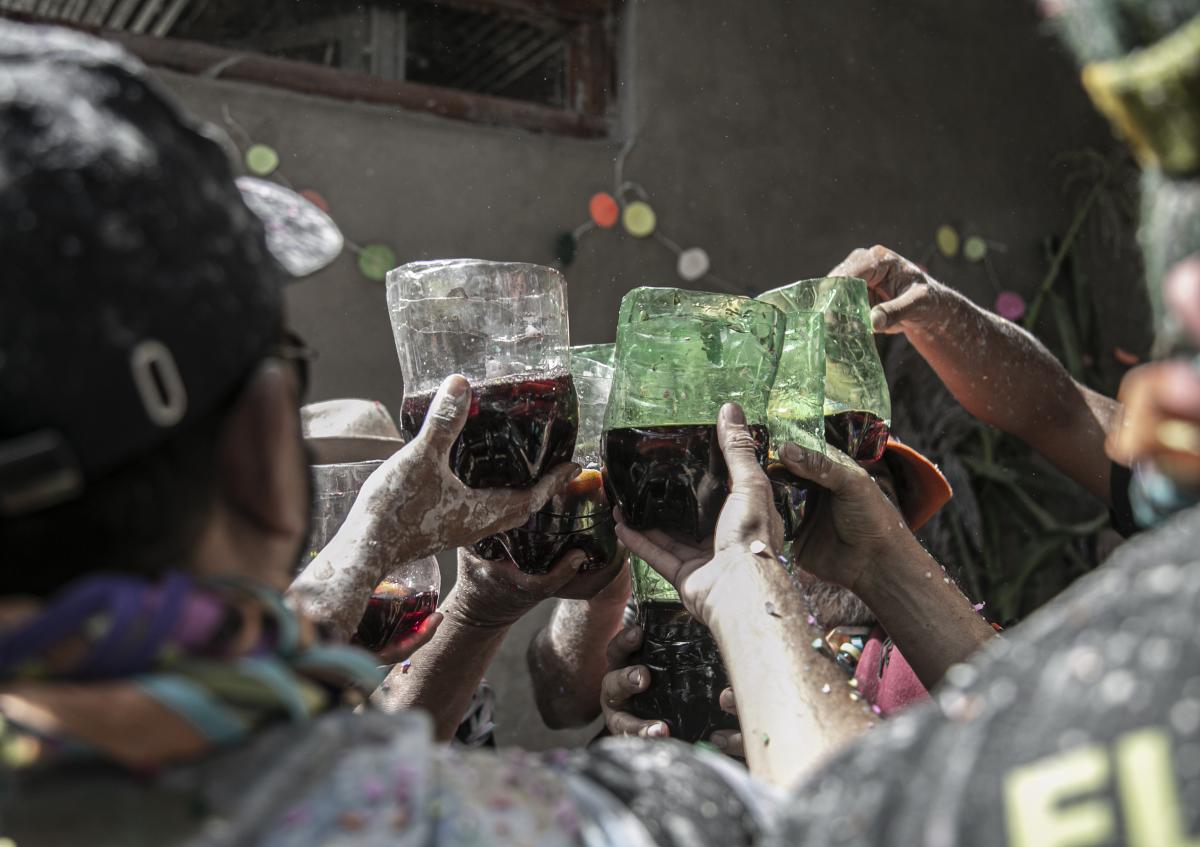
(141, 519)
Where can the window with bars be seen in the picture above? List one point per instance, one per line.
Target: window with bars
(542, 64)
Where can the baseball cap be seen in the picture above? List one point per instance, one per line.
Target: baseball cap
(923, 490)
(137, 288)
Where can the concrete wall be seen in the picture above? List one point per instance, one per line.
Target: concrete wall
(776, 134)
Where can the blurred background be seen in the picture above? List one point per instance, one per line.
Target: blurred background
(773, 136)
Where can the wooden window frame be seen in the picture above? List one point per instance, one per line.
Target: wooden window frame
(591, 67)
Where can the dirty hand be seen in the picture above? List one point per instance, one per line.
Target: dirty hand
(903, 297)
(497, 593)
(853, 527)
(749, 526)
(416, 506)
(729, 741)
(1160, 418)
(621, 683)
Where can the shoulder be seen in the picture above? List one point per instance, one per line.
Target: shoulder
(1042, 719)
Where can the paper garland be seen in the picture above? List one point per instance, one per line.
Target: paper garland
(629, 204)
(373, 260)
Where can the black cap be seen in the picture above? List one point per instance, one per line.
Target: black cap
(136, 289)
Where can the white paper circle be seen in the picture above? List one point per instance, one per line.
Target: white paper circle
(693, 264)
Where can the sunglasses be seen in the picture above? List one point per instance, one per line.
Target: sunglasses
(291, 348)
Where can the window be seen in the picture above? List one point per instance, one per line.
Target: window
(541, 64)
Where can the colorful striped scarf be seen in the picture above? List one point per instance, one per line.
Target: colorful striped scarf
(148, 673)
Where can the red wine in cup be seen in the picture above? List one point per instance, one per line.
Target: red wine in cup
(860, 435)
(519, 427)
(391, 615)
(671, 478)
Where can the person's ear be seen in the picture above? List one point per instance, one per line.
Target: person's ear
(263, 471)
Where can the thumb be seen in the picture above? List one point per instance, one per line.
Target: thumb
(888, 315)
(447, 414)
(836, 475)
(740, 449)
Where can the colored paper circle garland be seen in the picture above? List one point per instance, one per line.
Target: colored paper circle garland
(1010, 304)
(975, 249)
(375, 260)
(604, 210)
(947, 241)
(316, 198)
(639, 219)
(262, 160)
(693, 264)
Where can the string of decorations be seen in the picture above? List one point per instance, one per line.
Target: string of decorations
(629, 204)
(262, 160)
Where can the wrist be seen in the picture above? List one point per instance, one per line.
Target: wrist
(467, 608)
(897, 562)
(753, 582)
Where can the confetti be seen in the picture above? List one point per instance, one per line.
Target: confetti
(825, 689)
(405, 666)
(766, 740)
(757, 547)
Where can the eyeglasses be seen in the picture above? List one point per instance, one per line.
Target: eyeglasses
(291, 348)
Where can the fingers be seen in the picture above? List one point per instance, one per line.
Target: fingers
(890, 314)
(1182, 293)
(509, 507)
(740, 451)
(729, 742)
(623, 645)
(727, 703)
(447, 414)
(620, 685)
(623, 723)
(403, 649)
(834, 476)
(652, 554)
(550, 484)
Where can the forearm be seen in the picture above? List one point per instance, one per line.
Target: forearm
(335, 586)
(442, 676)
(928, 618)
(567, 660)
(793, 707)
(1005, 377)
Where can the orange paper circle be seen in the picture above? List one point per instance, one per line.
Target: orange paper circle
(316, 199)
(604, 209)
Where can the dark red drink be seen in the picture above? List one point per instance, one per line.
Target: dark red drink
(686, 674)
(794, 498)
(518, 428)
(671, 478)
(860, 435)
(578, 518)
(391, 614)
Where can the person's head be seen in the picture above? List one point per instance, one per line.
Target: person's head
(917, 489)
(148, 418)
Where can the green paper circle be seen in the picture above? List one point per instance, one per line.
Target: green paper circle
(262, 160)
(375, 260)
(975, 249)
(947, 241)
(639, 219)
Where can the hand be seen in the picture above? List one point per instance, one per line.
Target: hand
(852, 528)
(402, 650)
(748, 527)
(621, 683)
(1160, 418)
(498, 594)
(729, 741)
(903, 297)
(416, 506)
